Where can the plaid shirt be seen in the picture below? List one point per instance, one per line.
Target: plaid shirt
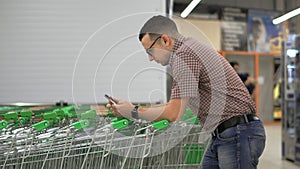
(215, 90)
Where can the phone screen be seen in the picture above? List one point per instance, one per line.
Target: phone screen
(109, 99)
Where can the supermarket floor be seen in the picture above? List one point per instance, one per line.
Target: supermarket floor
(271, 157)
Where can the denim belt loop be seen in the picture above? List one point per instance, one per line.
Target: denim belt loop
(215, 132)
(246, 118)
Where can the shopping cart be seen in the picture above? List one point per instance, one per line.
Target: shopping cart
(92, 141)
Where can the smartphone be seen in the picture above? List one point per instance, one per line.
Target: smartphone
(110, 99)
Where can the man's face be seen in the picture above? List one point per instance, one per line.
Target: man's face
(257, 32)
(157, 49)
(236, 68)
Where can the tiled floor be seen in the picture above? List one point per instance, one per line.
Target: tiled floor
(271, 158)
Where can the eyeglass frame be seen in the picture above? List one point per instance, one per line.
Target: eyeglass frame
(148, 50)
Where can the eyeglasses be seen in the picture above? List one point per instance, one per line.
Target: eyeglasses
(148, 50)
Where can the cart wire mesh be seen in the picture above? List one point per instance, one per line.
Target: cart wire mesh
(90, 141)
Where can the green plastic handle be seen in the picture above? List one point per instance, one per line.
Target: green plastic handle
(193, 119)
(50, 116)
(26, 114)
(23, 120)
(42, 125)
(160, 124)
(8, 108)
(64, 112)
(68, 108)
(81, 124)
(91, 114)
(67, 113)
(11, 116)
(190, 117)
(117, 119)
(120, 124)
(60, 113)
(3, 124)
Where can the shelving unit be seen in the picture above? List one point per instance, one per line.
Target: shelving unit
(290, 90)
(297, 107)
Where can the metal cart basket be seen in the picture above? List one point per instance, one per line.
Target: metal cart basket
(106, 143)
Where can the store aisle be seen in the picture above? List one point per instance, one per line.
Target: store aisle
(271, 157)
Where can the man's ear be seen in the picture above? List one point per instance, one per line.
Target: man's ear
(166, 39)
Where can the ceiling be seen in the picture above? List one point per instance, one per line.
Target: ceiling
(262, 4)
(282, 6)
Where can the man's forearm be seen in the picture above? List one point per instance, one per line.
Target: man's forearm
(153, 113)
(171, 111)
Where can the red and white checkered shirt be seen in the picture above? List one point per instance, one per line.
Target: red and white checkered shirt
(215, 90)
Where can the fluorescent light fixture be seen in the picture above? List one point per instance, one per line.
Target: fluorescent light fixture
(189, 8)
(292, 52)
(286, 16)
(291, 66)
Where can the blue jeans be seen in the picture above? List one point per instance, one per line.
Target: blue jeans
(237, 147)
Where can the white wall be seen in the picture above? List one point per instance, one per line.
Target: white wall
(206, 31)
(76, 51)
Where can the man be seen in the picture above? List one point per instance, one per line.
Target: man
(204, 81)
(245, 77)
(258, 37)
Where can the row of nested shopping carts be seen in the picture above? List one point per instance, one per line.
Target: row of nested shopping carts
(73, 137)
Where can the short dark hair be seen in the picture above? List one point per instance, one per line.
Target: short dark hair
(158, 25)
(233, 63)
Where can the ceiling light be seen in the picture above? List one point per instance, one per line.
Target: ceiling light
(286, 16)
(189, 8)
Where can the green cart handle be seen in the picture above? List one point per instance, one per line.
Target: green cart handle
(41, 125)
(91, 114)
(87, 118)
(50, 116)
(117, 119)
(67, 110)
(59, 113)
(160, 124)
(26, 116)
(23, 120)
(11, 116)
(81, 124)
(3, 124)
(67, 113)
(53, 117)
(120, 124)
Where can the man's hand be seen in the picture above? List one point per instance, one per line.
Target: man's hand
(171, 111)
(122, 109)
